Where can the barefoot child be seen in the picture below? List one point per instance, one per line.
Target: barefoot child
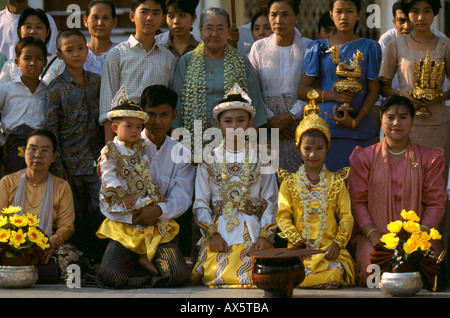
(235, 203)
(127, 186)
(314, 207)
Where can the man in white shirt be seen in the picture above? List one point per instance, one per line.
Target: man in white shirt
(9, 18)
(175, 177)
(136, 63)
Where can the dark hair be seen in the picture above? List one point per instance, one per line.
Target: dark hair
(136, 3)
(358, 6)
(40, 14)
(408, 4)
(325, 21)
(255, 17)
(188, 6)
(397, 100)
(105, 2)
(295, 4)
(45, 133)
(314, 133)
(30, 40)
(64, 34)
(396, 6)
(357, 3)
(156, 95)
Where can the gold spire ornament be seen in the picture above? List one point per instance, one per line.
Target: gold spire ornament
(427, 75)
(349, 73)
(312, 119)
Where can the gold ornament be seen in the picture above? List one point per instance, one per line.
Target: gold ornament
(350, 74)
(312, 119)
(426, 78)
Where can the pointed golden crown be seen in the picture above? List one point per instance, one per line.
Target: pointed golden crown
(312, 120)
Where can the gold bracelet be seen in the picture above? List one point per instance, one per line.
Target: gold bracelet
(353, 123)
(323, 92)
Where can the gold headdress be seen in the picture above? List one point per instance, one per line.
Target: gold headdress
(228, 105)
(121, 99)
(312, 120)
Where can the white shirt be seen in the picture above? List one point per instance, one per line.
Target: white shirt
(129, 64)
(246, 39)
(9, 38)
(18, 106)
(10, 70)
(176, 180)
(208, 195)
(279, 69)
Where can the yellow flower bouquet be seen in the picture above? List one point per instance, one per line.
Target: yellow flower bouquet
(21, 240)
(407, 249)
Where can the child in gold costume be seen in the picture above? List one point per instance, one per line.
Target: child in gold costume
(314, 209)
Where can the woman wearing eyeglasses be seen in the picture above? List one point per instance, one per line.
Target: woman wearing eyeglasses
(40, 193)
(204, 76)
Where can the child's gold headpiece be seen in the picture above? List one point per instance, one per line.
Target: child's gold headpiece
(312, 120)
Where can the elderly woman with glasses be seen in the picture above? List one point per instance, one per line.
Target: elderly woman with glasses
(40, 193)
(204, 76)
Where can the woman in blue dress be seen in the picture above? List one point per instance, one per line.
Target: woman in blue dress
(348, 129)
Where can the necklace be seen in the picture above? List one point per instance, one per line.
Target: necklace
(312, 206)
(397, 153)
(211, 69)
(423, 42)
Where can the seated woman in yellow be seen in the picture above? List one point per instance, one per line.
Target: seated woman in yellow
(314, 207)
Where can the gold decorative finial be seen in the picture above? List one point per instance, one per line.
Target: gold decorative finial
(312, 119)
(427, 75)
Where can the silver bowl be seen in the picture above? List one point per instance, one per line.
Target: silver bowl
(401, 284)
(18, 276)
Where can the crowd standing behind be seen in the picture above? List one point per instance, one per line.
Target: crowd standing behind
(56, 97)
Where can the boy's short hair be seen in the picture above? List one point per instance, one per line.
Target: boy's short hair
(64, 34)
(396, 6)
(136, 3)
(188, 6)
(156, 95)
(40, 14)
(30, 40)
(325, 21)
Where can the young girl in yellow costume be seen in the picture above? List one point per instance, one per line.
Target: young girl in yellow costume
(314, 208)
(235, 200)
(127, 185)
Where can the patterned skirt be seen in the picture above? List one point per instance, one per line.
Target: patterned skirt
(138, 239)
(230, 269)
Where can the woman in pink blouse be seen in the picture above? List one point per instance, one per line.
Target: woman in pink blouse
(392, 175)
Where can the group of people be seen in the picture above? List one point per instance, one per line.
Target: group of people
(93, 130)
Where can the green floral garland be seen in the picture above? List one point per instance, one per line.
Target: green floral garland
(194, 90)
